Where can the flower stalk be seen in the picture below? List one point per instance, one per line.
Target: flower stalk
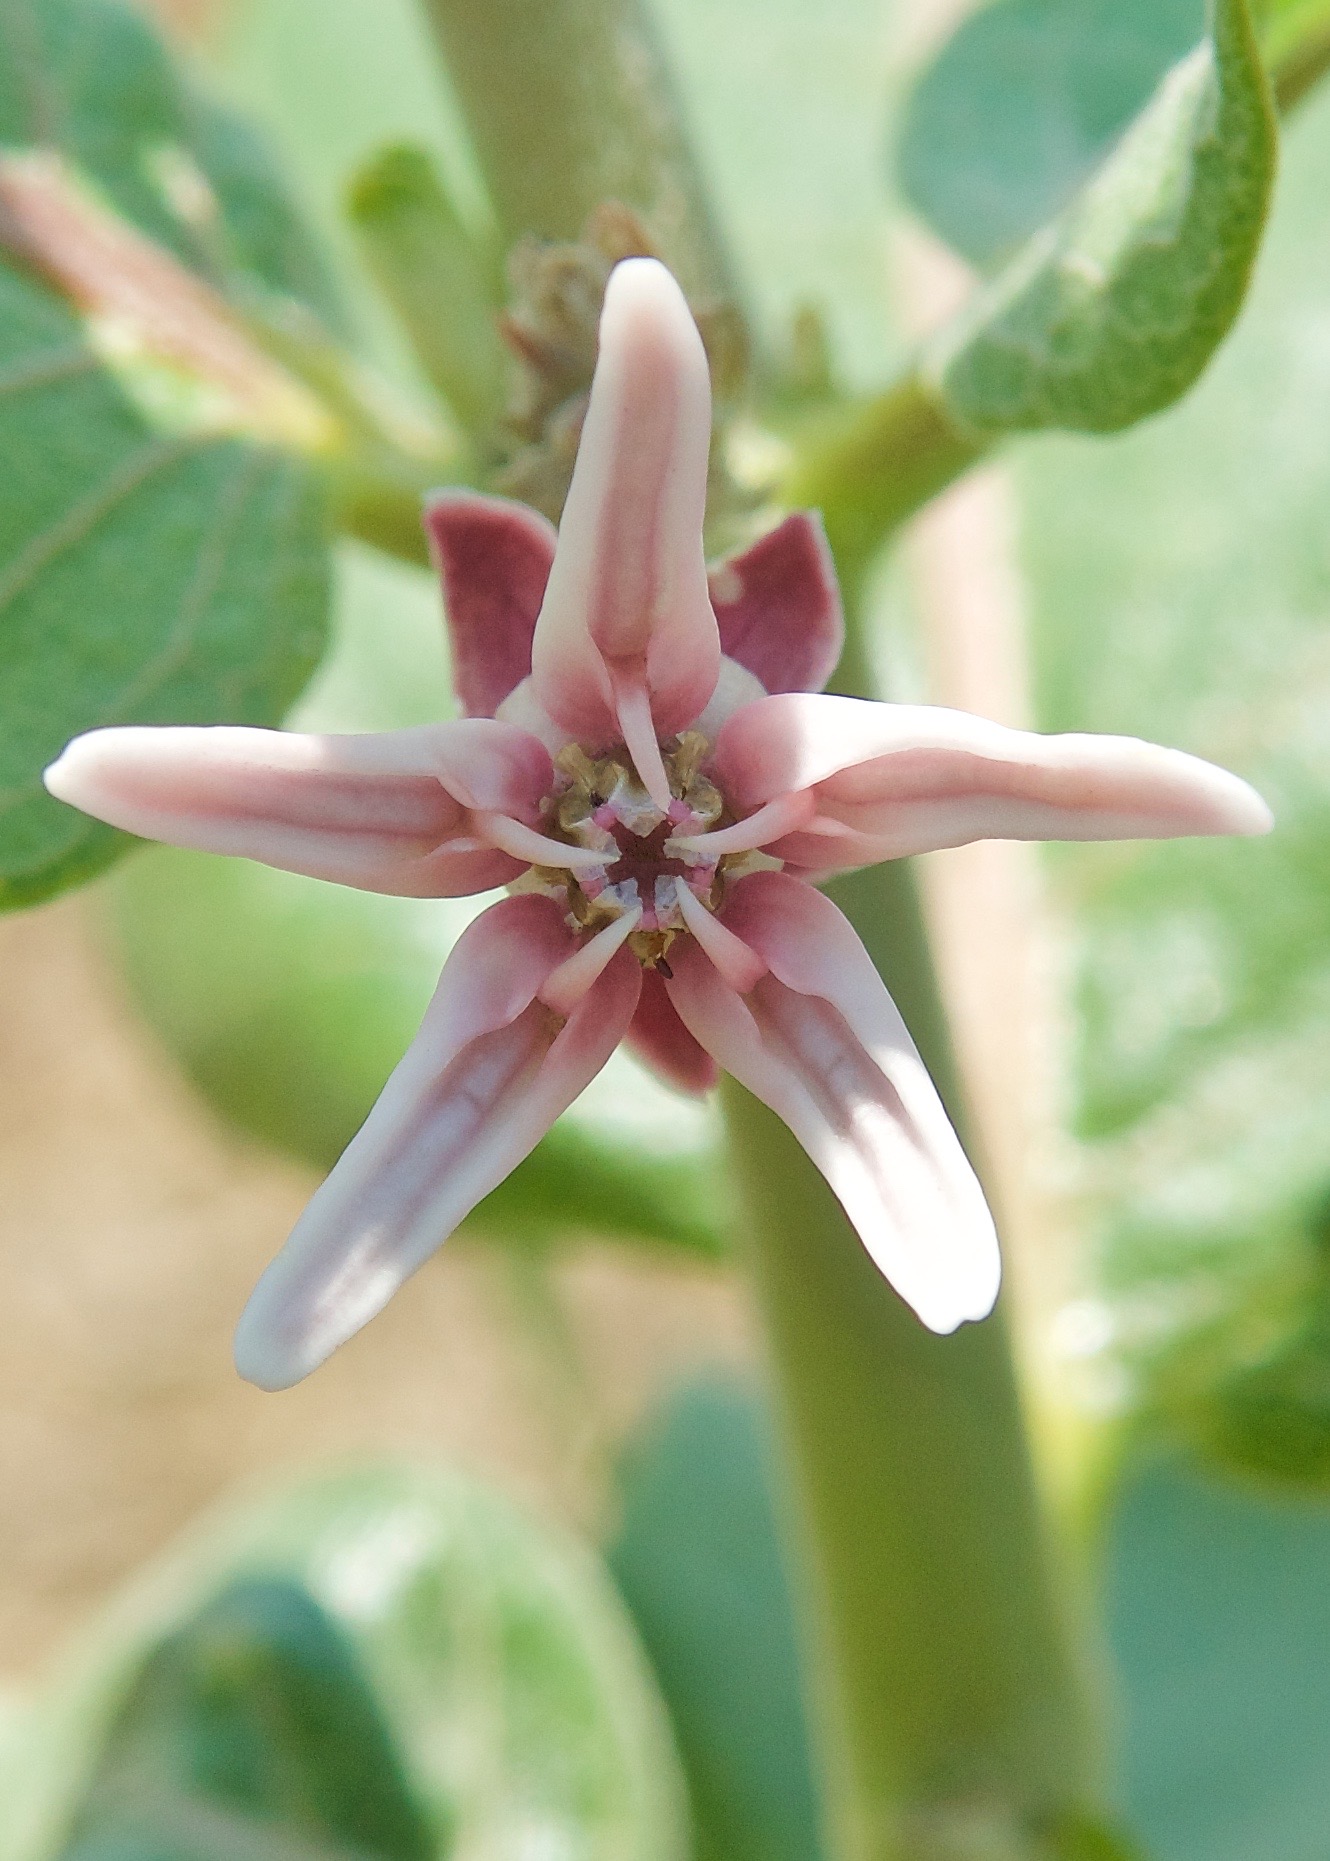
(869, 465)
(444, 283)
(570, 104)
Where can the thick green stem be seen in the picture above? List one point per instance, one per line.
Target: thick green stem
(569, 105)
(870, 465)
(958, 1698)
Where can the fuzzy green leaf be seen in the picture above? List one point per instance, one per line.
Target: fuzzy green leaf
(1112, 311)
(502, 1671)
(152, 569)
(251, 1723)
(144, 577)
(91, 79)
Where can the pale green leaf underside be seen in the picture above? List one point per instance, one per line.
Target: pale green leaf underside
(1022, 104)
(142, 579)
(1112, 311)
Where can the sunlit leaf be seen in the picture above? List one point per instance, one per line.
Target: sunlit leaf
(1181, 582)
(1112, 311)
(152, 567)
(502, 1667)
(144, 577)
(252, 1720)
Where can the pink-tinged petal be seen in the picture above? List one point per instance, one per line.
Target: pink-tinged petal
(818, 1039)
(536, 849)
(493, 557)
(626, 622)
(740, 966)
(490, 1070)
(522, 708)
(389, 813)
(895, 779)
(735, 687)
(577, 973)
(778, 606)
(659, 1038)
(772, 822)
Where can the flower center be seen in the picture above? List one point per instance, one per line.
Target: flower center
(601, 804)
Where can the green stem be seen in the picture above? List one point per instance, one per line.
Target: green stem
(445, 285)
(870, 465)
(377, 495)
(1298, 64)
(569, 105)
(960, 1706)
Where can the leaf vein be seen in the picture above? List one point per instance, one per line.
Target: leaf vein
(82, 517)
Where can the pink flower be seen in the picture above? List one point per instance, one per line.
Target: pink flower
(648, 764)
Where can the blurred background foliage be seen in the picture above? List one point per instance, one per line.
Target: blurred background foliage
(1177, 579)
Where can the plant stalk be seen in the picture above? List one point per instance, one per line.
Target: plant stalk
(569, 105)
(959, 1701)
(869, 465)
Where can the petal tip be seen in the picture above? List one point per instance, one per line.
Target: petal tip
(73, 776)
(262, 1358)
(965, 1303)
(643, 291)
(56, 777)
(1252, 813)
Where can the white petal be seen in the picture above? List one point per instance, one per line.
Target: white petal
(489, 1072)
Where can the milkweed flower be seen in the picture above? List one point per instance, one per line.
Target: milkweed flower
(648, 763)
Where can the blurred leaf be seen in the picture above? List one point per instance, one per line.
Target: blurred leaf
(151, 570)
(1181, 582)
(1221, 1627)
(1113, 310)
(289, 1001)
(143, 578)
(498, 1657)
(1022, 104)
(699, 1560)
(91, 78)
(257, 1705)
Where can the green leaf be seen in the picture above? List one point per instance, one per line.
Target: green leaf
(501, 1664)
(91, 78)
(1023, 103)
(289, 1001)
(1180, 581)
(258, 1706)
(144, 578)
(699, 1560)
(151, 570)
(1113, 310)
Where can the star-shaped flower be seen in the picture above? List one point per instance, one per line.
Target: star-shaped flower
(648, 764)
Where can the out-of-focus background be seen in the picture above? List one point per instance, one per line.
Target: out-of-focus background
(1141, 1034)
